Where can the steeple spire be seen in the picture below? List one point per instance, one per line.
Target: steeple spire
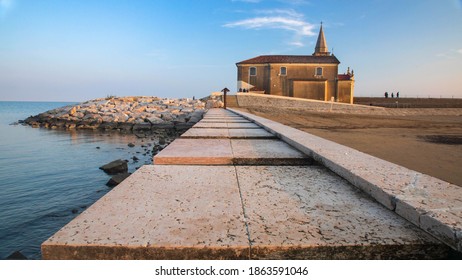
(321, 45)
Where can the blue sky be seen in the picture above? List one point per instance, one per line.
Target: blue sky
(75, 50)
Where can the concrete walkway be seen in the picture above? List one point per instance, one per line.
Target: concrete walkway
(229, 189)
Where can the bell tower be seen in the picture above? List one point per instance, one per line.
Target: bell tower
(321, 45)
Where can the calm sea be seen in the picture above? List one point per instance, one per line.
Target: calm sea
(48, 177)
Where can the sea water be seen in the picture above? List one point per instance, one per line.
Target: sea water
(48, 177)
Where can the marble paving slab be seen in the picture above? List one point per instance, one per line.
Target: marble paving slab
(248, 125)
(230, 151)
(242, 125)
(222, 118)
(201, 124)
(160, 212)
(218, 120)
(300, 212)
(237, 133)
(196, 152)
(267, 152)
(250, 133)
(206, 133)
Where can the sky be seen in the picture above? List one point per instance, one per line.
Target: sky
(76, 50)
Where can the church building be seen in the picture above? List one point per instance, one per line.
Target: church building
(304, 76)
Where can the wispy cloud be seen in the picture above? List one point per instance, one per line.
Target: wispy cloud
(295, 2)
(284, 19)
(279, 22)
(287, 12)
(451, 54)
(296, 44)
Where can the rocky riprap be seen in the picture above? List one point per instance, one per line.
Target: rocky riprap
(157, 119)
(126, 114)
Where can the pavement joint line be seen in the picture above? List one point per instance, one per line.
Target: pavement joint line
(244, 212)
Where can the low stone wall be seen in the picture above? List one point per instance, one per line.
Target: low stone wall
(270, 101)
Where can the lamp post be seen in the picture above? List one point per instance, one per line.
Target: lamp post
(225, 91)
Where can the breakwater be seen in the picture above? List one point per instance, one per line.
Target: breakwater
(139, 114)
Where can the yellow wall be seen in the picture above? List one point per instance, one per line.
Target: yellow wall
(300, 81)
(346, 91)
(310, 89)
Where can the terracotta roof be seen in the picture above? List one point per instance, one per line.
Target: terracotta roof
(343, 77)
(264, 59)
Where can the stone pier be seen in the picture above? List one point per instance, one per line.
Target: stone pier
(236, 186)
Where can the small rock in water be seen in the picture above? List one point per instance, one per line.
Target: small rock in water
(98, 148)
(161, 141)
(115, 167)
(135, 158)
(16, 256)
(117, 179)
(131, 145)
(75, 211)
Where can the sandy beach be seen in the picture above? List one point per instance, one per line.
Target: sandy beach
(425, 140)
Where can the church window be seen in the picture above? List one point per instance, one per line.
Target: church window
(283, 71)
(318, 71)
(253, 71)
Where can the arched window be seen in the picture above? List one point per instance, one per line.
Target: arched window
(253, 71)
(283, 71)
(318, 71)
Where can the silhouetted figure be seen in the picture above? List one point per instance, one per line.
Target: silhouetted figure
(386, 94)
(392, 95)
(240, 89)
(194, 98)
(397, 94)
